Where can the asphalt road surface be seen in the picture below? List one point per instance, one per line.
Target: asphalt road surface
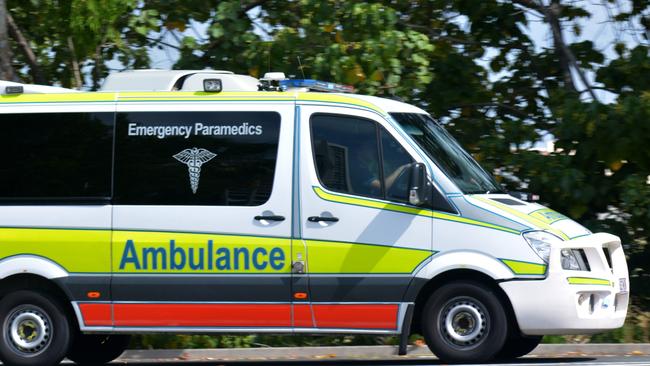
(547, 361)
(545, 354)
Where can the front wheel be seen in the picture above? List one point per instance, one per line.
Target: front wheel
(518, 346)
(464, 322)
(97, 349)
(35, 330)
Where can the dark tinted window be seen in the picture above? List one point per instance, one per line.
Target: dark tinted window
(49, 156)
(195, 158)
(346, 154)
(396, 163)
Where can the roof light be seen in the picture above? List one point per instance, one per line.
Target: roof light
(271, 81)
(212, 85)
(316, 85)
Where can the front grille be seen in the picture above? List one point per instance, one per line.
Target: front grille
(608, 256)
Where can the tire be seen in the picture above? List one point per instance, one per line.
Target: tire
(97, 349)
(518, 346)
(35, 329)
(464, 322)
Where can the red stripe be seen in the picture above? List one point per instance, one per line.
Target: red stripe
(302, 316)
(356, 316)
(202, 315)
(96, 314)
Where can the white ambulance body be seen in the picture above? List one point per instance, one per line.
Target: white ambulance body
(190, 202)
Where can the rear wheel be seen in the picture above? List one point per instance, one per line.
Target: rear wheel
(464, 322)
(518, 346)
(97, 349)
(35, 329)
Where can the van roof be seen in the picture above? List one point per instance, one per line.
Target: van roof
(188, 85)
(380, 105)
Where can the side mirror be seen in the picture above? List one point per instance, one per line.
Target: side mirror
(419, 187)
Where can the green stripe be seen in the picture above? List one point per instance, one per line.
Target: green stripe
(394, 207)
(589, 281)
(524, 268)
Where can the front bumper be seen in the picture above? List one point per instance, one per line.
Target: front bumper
(575, 302)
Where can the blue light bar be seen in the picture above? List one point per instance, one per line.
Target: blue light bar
(315, 85)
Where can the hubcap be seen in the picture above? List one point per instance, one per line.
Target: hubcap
(464, 322)
(29, 330)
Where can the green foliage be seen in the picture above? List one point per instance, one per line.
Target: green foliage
(172, 341)
(88, 32)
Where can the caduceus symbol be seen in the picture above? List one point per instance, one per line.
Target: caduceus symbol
(194, 158)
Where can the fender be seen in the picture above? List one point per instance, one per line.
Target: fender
(457, 259)
(31, 264)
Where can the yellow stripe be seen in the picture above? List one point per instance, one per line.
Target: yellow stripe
(74, 250)
(337, 257)
(548, 215)
(59, 98)
(527, 218)
(89, 251)
(524, 268)
(406, 209)
(335, 98)
(589, 281)
(370, 203)
(189, 97)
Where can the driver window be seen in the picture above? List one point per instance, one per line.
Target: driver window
(346, 153)
(396, 162)
(356, 156)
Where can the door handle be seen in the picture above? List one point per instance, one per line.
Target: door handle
(269, 218)
(322, 218)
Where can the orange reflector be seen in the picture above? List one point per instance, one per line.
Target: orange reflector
(94, 294)
(300, 295)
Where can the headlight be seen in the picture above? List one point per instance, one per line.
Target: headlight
(541, 242)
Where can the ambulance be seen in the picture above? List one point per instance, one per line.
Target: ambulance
(215, 203)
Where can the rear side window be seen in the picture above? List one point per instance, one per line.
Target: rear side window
(195, 158)
(357, 156)
(55, 156)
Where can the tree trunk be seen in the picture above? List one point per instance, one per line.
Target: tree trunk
(26, 49)
(6, 69)
(552, 14)
(75, 64)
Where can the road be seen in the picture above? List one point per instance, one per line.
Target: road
(546, 361)
(545, 354)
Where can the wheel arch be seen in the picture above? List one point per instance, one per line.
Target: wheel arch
(29, 272)
(427, 287)
(31, 264)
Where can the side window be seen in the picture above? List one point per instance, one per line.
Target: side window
(347, 154)
(50, 156)
(196, 158)
(396, 162)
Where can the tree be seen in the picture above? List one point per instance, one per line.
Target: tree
(6, 68)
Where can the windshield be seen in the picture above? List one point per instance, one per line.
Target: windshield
(445, 151)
